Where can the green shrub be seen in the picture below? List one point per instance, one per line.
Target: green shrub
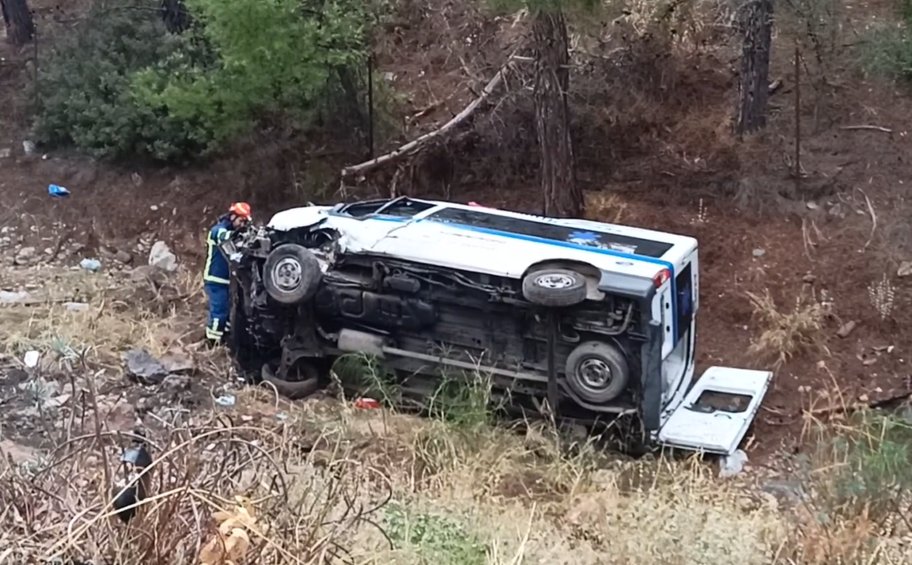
(84, 95)
(434, 538)
(120, 85)
(888, 52)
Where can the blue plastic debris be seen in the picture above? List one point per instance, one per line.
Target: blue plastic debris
(91, 265)
(58, 191)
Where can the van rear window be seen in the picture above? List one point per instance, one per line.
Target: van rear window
(553, 232)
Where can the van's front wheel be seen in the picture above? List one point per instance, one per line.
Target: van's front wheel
(291, 274)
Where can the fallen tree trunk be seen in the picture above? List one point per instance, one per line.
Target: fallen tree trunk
(20, 28)
(418, 143)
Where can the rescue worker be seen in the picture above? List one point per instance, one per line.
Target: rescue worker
(215, 277)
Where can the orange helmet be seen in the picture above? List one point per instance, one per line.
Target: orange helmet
(241, 210)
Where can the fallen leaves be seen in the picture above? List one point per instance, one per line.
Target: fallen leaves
(231, 540)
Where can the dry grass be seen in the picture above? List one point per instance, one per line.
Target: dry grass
(787, 333)
(605, 207)
(120, 314)
(328, 483)
(61, 507)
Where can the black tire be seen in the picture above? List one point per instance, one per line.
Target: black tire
(291, 274)
(306, 381)
(554, 288)
(597, 372)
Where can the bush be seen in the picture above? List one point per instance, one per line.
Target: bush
(121, 85)
(85, 97)
(888, 51)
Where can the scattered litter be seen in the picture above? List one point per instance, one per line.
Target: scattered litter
(76, 306)
(812, 206)
(8, 297)
(91, 265)
(246, 418)
(57, 191)
(281, 416)
(5, 153)
(905, 269)
(143, 367)
(846, 329)
(161, 257)
(759, 252)
(28, 147)
(31, 359)
(732, 465)
(367, 404)
(226, 400)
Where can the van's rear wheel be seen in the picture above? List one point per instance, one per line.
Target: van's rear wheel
(554, 288)
(597, 372)
(291, 274)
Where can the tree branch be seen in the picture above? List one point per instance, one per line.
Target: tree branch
(419, 142)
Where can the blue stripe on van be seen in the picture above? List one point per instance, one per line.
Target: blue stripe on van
(566, 245)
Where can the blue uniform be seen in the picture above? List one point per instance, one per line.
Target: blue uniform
(216, 280)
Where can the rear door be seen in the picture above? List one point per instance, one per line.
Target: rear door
(718, 410)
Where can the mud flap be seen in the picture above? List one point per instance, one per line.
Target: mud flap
(717, 412)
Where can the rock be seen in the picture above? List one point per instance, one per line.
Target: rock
(124, 257)
(176, 383)
(28, 147)
(732, 465)
(106, 252)
(759, 252)
(58, 401)
(8, 297)
(143, 367)
(177, 362)
(5, 153)
(76, 306)
(905, 269)
(25, 256)
(137, 179)
(145, 273)
(161, 258)
(846, 329)
(813, 206)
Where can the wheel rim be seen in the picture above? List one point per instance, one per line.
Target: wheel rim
(594, 374)
(554, 280)
(287, 274)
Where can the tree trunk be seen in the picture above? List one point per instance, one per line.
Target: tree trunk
(18, 19)
(562, 196)
(175, 16)
(756, 27)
